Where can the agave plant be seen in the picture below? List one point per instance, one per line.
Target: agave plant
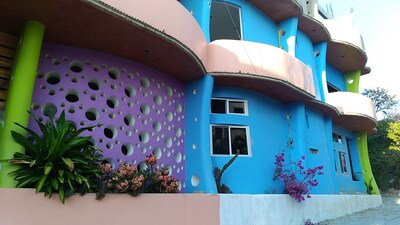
(57, 161)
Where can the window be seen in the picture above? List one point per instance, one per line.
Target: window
(314, 151)
(342, 157)
(225, 21)
(228, 106)
(332, 88)
(226, 140)
(337, 138)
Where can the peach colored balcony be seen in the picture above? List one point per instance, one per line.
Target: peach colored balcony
(159, 34)
(357, 112)
(260, 67)
(346, 47)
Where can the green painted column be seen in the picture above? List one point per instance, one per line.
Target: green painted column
(365, 163)
(19, 95)
(353, 80)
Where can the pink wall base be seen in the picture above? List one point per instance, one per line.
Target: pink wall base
(23, 206)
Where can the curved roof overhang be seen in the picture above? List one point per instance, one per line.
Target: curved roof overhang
(121, 28)
(313, 28)
(278, 10)
(345, 57)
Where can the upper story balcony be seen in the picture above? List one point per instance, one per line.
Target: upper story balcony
(346, 47)
(159, 34)
(357, 112)
(260, 67)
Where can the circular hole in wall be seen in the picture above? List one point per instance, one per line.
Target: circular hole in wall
(157, 126)
(127, 149)
(157, 99)
(114, 73)
(282, 32)
(111, 115)
(169, 116)
(94, 84)
(112, 102)
(350, 81)
(194, 146)
(109, 161)
(74, 80)
(93, 97)
(51, 92)
(129, 120)
(109, 145)
(96, 68)
(157, 152)
(39, 75)
(144, 137)
(178, 132)
(71, 109)
(72, 95)
(35, 106)
(110, 132)
(76, 66)
(168, 91)
(195, 92)
(178, 108)
(195, 180)
(53, 77)
(144, 82)
(92, 114)
(316, 53)
(49, 110)
(55, 61)
(130, 92)
(168, 142)
(142, 166)
(144, 109)
(178, 157)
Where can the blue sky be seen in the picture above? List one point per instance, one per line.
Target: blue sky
(379, 24)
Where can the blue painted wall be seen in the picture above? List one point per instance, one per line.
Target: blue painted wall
(305, 53)
(345, 180)
(316, 133)
(256, 26)
(268, 131)
(335, 77)
(199, 170)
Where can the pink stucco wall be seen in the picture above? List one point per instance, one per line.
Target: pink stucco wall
(24, 207)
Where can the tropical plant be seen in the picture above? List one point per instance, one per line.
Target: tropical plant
(59, 160)
(219, 172)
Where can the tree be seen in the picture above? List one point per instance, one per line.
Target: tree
(384, 102)
(393, 132)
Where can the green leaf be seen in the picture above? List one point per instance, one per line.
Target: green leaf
(69, 163)
(48, 168)
(41, 183)
(54, 183)
(61, 194)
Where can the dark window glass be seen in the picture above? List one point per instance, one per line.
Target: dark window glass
(224, 21)
(218, 106)
(239, 140)
(220, 140)
(236, 107)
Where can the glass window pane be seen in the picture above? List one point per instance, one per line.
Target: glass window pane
(236, 107)
(220, 140)
(224, 21)
(239, 140)
(218, 106)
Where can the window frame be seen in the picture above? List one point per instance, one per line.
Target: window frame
(248, 140)
(227, 100)
(339, 138)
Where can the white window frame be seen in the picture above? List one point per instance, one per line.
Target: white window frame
(247, 128)
(227, 100)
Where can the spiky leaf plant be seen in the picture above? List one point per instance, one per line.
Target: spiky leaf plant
(57, 161)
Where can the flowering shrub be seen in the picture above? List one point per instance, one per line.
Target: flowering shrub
(129, 179)
(298, 181)
(309, 222)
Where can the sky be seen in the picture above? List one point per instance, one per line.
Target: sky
(379, 24)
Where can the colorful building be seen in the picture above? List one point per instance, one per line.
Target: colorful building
(192, 82)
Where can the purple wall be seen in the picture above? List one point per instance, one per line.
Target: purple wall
(141, 109)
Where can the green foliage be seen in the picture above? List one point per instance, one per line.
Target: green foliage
(384, 161)
(58, 161)
(218, 175)
(393, 133)
(368, 186)
(384, 102)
